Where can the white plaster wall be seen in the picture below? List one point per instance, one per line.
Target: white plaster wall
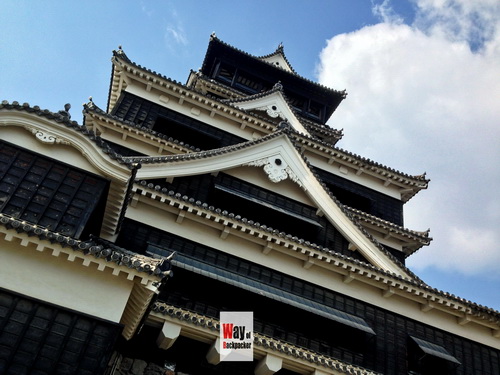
(65, 283)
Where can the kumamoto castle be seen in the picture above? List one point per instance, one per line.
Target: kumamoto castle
(124, 237)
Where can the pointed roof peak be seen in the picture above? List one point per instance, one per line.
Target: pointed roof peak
(275, 103)
(278, 59)
(281, 159)
(121, 53)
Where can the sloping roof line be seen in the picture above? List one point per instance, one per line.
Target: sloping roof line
(416, 235)
(233, 278)
(280, 51)
(277, 90)
(363, 269)
(207, 153)
(334, 149)
(95, 111)
(94, 247)
(264, 343)
(286, 132)
(243, 221)
(227, 90)
(214, 38)
(73, 125)
(310, 126)
(91, 107)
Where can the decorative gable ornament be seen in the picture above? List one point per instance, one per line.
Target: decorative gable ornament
(272, 110)
(274, 104)
(48, 138)
(278, 59)
(276, 169)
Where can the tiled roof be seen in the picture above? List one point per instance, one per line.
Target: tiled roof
(91, 108)
(284, 348)
(73, 125)
(199, 154)
(309, 125)
(217, 86)
(254, 225)
(312, 126)
(214, 38)
(422, 237)
(284, 130)
(95, 247)
(289, 132)
(280, 51)
(187, 90)
(413, 286)
(276, 88)
(58, 117)
(420, 181)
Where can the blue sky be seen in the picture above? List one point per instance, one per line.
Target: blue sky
(422, 76)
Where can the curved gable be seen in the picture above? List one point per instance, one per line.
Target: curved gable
(280, 161)
(66, 143)
(275, 105)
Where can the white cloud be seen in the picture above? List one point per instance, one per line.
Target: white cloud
(471, 251)
(146, 10)
(475, 21)
(385, 12)
(425, 97)
(175, 33)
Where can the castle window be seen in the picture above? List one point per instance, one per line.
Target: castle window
(225, 73)
(426, 358)
(188, 134)
(315, 110)
(248, 83)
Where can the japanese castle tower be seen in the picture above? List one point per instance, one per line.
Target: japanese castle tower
(123, 238)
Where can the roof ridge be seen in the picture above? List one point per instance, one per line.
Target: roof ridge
(60, 118)
(202, 153)
(420, 177)
(277, 88)
(280, 50)
(413, 282)
(319, 127)
(213, 37)
(300, 241)
(420, 234)
(91, 107)
(98, 248)
(286, 130)
(351, 217)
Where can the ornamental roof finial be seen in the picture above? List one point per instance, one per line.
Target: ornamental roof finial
(65, 111)
(90, 104)
(278, 86)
